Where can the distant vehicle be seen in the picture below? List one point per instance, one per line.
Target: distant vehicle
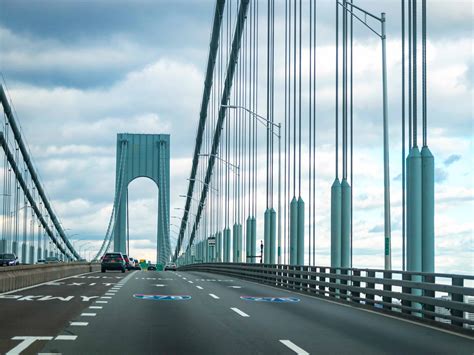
(51, 260)
(137, 265)
(151, 267)
(113, 261)
(128, 262)
(170, 267)
(9, 259)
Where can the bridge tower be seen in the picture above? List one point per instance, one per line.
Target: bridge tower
(143, 155)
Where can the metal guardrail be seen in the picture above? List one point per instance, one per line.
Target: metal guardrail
(441, 299)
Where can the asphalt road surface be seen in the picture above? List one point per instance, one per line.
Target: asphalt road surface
(199, 313)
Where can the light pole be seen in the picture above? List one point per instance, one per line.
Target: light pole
(266, 123)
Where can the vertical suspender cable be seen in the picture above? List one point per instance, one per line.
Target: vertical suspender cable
(352, 131)
(415, 124)
(310, 131)
(314, 135)
(403, 136)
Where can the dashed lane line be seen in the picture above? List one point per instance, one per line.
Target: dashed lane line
(294, 347)
(239, 312)
(101, 301)
(79, 324)
(95, 307)
(66, 337)
(199, 287)
(88, 314)
(214, 296)
(190, 282)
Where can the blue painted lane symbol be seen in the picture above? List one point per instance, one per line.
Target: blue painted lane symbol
(162, 297)
(271, 299)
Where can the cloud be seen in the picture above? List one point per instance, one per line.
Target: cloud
(377, 229)
(452, 159)
(441, 175)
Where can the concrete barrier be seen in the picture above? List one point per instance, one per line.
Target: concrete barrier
(15, 277)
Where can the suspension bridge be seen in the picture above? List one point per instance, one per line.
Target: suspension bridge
(247, 247)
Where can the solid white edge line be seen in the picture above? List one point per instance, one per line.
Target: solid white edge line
(366, 310)
(294, 347)
(214, 296)
(239, 312)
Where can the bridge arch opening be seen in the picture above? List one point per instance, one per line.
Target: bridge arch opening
(142, 219)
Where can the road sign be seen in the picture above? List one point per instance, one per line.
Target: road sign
(270, 299)
(162, 297)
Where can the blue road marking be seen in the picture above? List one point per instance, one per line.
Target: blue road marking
(162, 297)
(270, 299)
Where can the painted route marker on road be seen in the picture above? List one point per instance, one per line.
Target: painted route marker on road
(162, 297)
(270, 299)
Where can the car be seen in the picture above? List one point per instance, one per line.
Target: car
(170, 266)
(151, 268)
(113, 261)
(51, 260)
(9, 259)
(128, 262)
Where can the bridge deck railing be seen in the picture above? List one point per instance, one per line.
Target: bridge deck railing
(441, 299)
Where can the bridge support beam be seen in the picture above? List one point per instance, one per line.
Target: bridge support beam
(266, 236)
(272, 236)
(345, 224)
(227, 238)
(248, 240)
(237, 243)
(293, 231)
(31, 258)
(336, 217)
(428, 247)
(300, 237)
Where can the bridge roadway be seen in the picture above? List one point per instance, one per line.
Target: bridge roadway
(98, 314)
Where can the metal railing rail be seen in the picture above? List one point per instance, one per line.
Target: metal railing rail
(441, 299)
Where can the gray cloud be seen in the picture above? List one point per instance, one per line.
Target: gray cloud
(441, 175)
(452, 159)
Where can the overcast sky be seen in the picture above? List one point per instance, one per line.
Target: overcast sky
(79, 72)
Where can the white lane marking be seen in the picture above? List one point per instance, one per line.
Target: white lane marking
(214, 296)
(190, 282)
(184, 278)
(66, 337)
(27, 341)
(235, 286)
(239, 312)
(294, 347)
(110, 294)
(160, 285)
(79, 324)
(101, 301)
(199, 287)
(106, 297)
(88, 314)
(42, 284)
(95, 307)
(49, 354)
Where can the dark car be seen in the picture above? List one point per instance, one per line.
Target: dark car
(8, 259)
(129, 265)
(113, 261)
(170, 267)
(151, 268)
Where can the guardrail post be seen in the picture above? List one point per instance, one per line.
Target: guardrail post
(322, 279)
(387, 276)
(344, 282)
(406, 291)
(457, 297)
(313, 279)
(371, 286)
(356, 283)
(429, 293)
(332, 281)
